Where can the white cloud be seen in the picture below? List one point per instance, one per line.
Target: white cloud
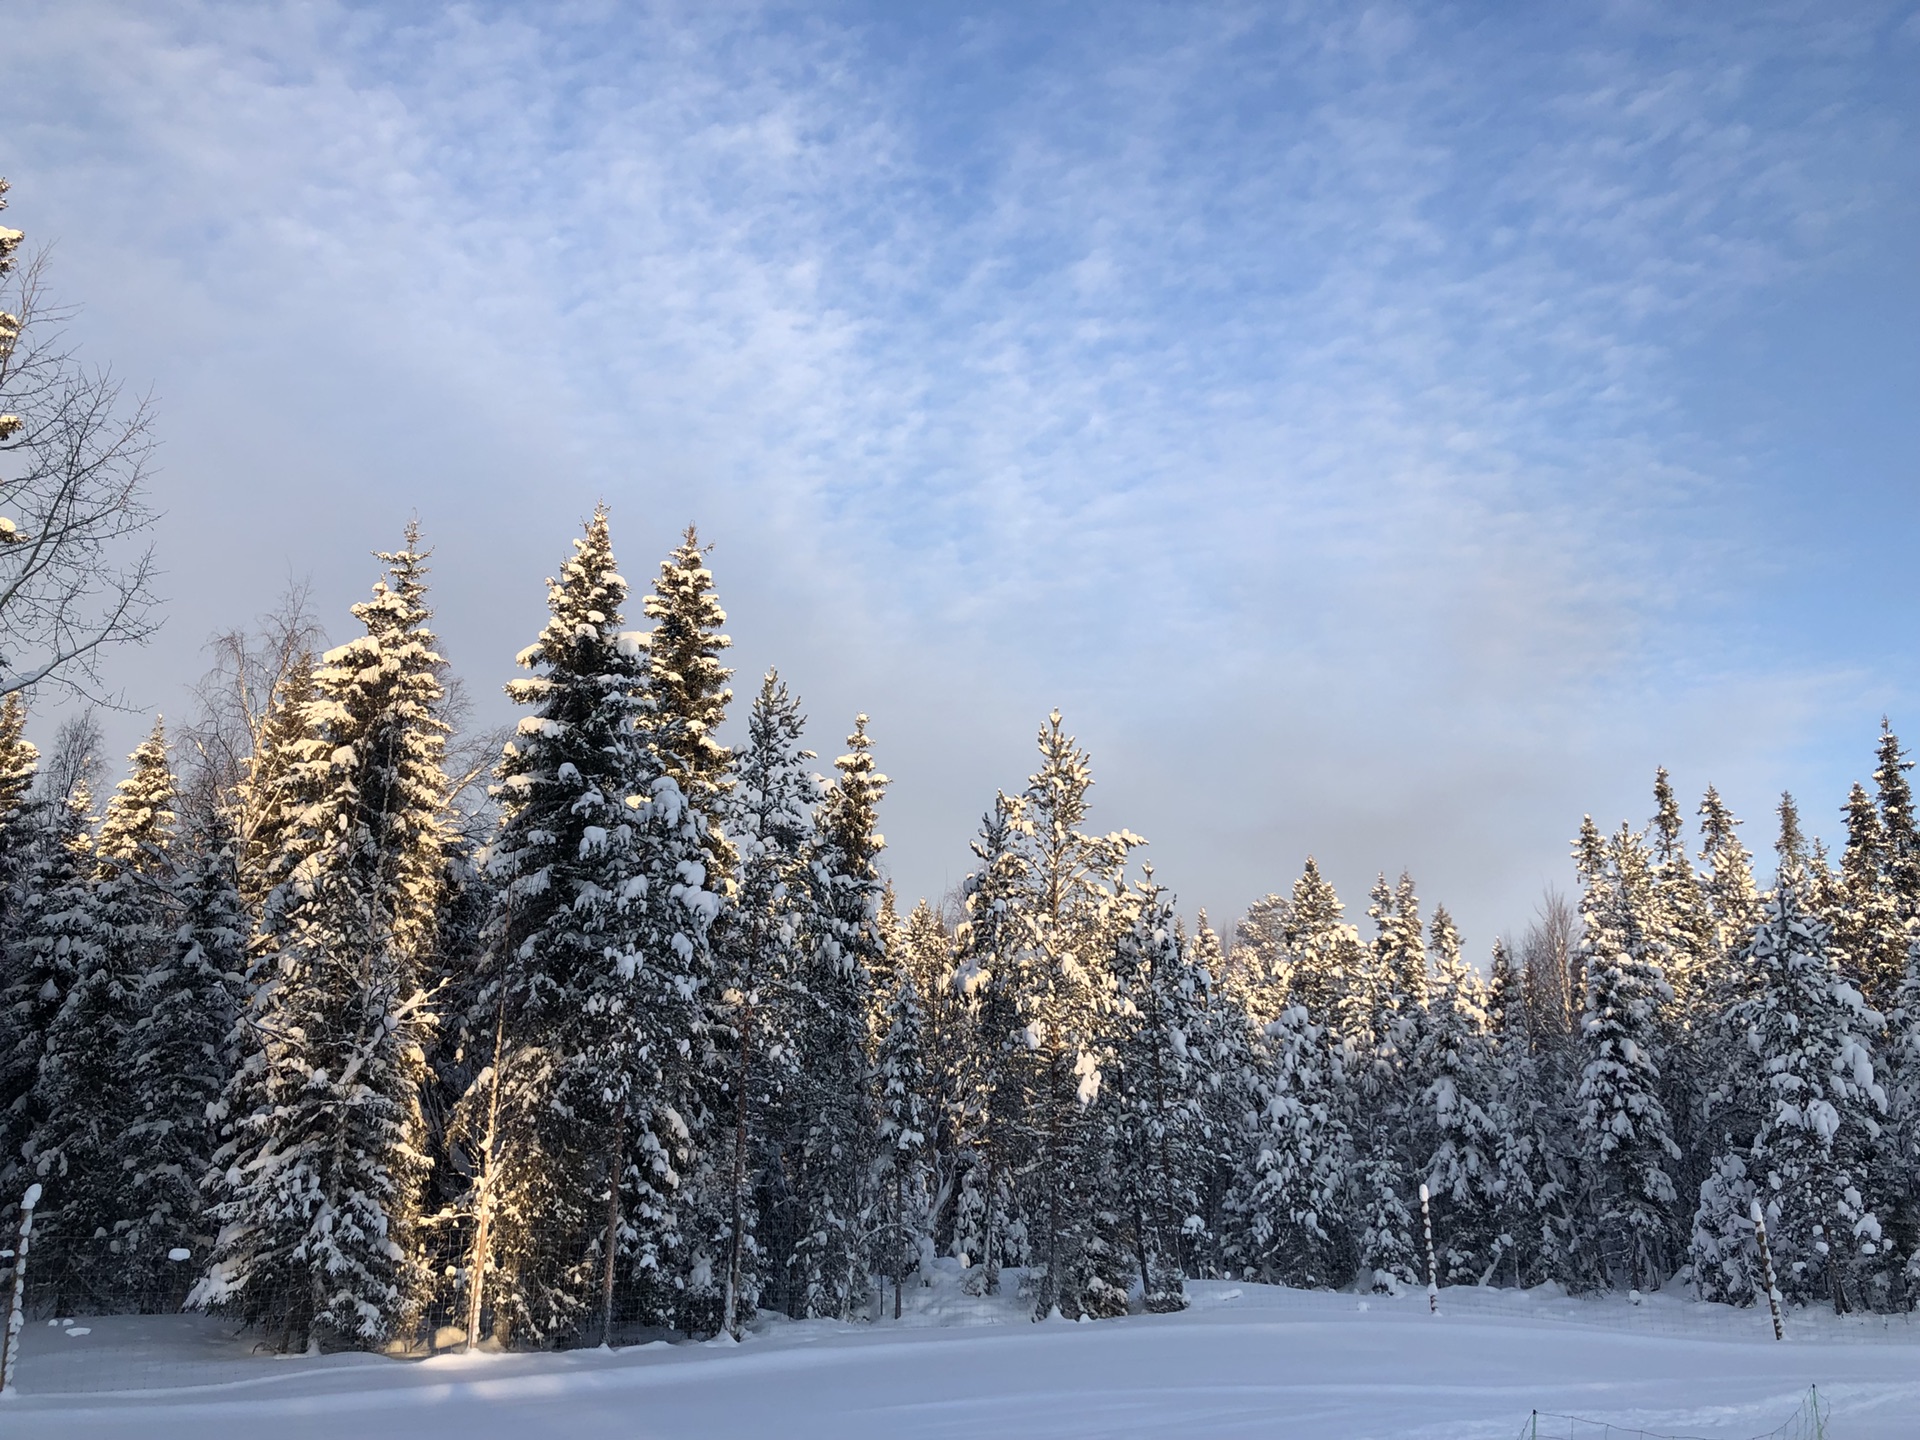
(1287, 394)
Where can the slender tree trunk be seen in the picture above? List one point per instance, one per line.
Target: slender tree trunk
(1140, 1246)
(615, 1168)
(990, 1283)
(483, 1209)
(739, 1170)
(1834, 1281)
(900, 1235)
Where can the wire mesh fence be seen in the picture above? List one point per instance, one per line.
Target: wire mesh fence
(1679, 1317)
(1808, 1422)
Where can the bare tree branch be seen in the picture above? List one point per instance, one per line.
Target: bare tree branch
(76, 574)
(233, 698)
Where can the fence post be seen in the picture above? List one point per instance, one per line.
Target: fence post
(1766, 1267)
(16, 1308)
(1433, 1283)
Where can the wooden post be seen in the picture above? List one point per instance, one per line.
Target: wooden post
(1766, 1267)
(1433, 1279)
(16, 1308)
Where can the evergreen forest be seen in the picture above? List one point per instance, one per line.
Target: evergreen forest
(332, 1022)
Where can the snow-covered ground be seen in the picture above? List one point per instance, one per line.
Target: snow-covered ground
(1245, 1360)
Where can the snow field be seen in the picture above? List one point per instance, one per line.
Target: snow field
(1246, 1360)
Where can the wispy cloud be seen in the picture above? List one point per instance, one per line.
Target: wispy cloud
(1290, 391)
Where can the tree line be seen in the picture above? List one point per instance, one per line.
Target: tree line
(644, 1041)
(356, 1028)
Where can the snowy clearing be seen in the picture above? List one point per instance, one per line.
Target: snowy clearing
(1245, 1360)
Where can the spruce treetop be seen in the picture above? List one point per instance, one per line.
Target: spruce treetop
(1058, 789)
(1325, 954)
(851, 808)
(771, 808)
(1444, 936)
(1730, 889)
(269, 797)
(1865, 852)
(374, 749)
(1589, 851)
(138, 823)
(1402, 953)
(1506, 1002)
(1668, 846)
(1791, 846)
(19, 757)
(1207, 951)
(685, 676)
(1077, 872)
(1897, 823)
(583, 617)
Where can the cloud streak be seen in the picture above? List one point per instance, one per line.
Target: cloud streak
(1290, 393)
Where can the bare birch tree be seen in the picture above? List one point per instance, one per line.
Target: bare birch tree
(76, 574)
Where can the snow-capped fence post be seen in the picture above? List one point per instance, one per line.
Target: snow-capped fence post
(1766, 1269)
(1433, 1281)
(17, 1307)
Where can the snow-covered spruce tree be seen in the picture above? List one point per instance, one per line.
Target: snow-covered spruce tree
(1159, 1076)
(1225, 1095)
(1458, 1118)
(686, 682)
(1291, 1198)
(1678, 891)
(1257, 966)
(85, 1098)
(1384, 1002)
(1901, 862)
(830, 1276)
(1063, 995)
(1695, 974)
(1868, 931)
(1324, 953)
(273, 792)
(1821, 1109)
(53, 936)
(678, 1266)
(1208, 951)
(1382, 1222)
(575, 1006)
(1542, 1097)
(323, 1165)
(1517, 1109)
(901, 1236)
(598, 1008)
(19, 763)
(22, 823)
(1625, 1138)
(1897, 1177)
(1382, 1027)
(994, 1141)
(1731, 895)
(922, 948)
(176, 1063)
(462, 968)
(760, 949)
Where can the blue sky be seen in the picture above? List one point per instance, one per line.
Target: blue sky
(1384, 431)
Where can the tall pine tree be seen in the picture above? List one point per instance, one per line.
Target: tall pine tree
(86, 1100)
(830, 1275)
(1625, 1137)
(323, 1164)
(176, 1062)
